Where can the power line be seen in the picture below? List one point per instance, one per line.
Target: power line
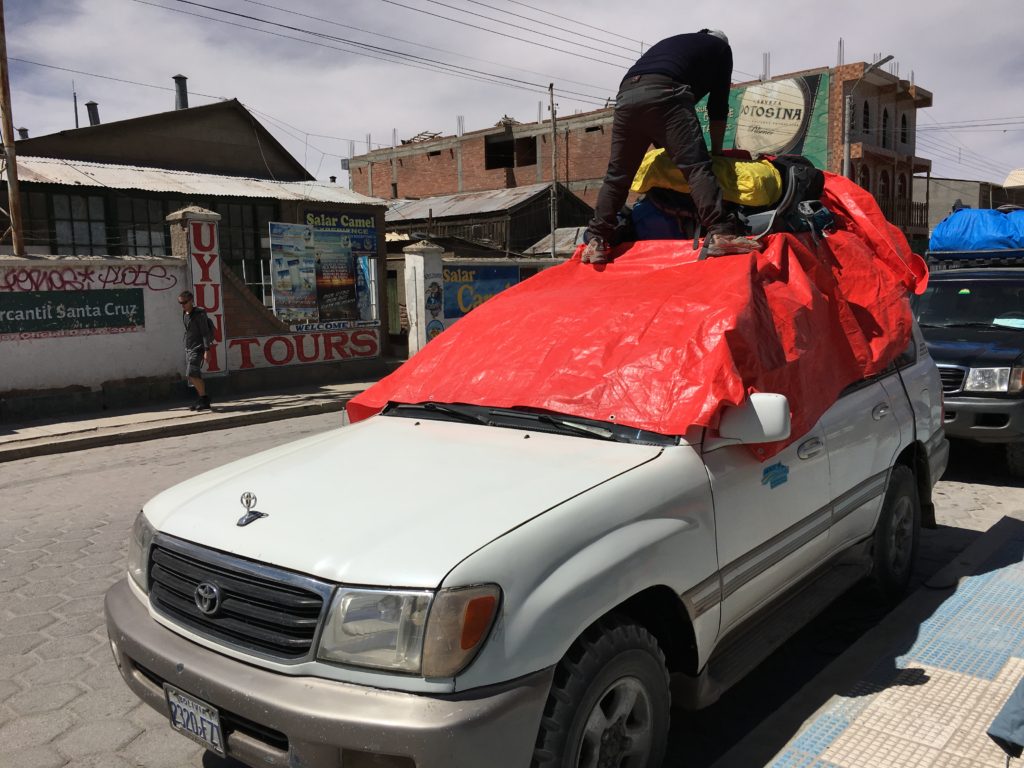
(115, 79)
(427, 64)
(575, 21)
(502, 34)
(517, 26)
(421, 45)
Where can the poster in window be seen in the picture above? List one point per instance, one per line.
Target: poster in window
(293, 272)
(359, 231)
(335, 276)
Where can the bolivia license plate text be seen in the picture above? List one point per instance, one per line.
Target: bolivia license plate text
(195, 718)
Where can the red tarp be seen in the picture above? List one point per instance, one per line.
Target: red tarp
(659, 341)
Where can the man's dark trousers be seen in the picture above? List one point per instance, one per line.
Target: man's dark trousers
(654, 109)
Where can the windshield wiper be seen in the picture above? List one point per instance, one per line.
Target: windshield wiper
(563, 425)
(975, 324)
(449, 410)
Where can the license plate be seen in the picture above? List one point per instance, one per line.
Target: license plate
(195, 718)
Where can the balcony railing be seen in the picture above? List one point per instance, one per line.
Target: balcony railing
(904, 213)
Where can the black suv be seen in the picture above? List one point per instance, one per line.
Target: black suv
(973, 322)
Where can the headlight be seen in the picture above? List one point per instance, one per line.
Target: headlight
(460, 620)
(987, 380)
(1016, 379)
(435, 635)
(376, 628)
(138, 551)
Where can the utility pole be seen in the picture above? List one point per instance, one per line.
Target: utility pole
(554, 169)
(13, 193)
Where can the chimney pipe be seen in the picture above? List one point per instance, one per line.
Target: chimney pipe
(180, 92)
(23, 133)
(94, 112)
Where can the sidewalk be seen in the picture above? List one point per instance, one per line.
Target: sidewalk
(920, 688)
(72, 433)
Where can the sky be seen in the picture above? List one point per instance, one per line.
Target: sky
(322, 76)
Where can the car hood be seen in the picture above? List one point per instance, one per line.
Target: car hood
(974, 347)
(388, 501)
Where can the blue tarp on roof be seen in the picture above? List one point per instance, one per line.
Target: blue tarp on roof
(971, 229)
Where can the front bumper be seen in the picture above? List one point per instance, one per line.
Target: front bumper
(985, 419)
(279, 720)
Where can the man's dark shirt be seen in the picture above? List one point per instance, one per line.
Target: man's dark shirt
(696, 59)
(197, 330)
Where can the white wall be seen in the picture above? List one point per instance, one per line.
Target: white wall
(49, 361)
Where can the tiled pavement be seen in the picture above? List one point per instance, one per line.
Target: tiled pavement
(927, 683)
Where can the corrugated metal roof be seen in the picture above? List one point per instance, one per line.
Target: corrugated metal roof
(463, 204)
(48, 170)
(566, 240)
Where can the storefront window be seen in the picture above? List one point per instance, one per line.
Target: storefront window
(141, 226)
(80, 226)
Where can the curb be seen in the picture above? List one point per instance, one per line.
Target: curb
(182, 426)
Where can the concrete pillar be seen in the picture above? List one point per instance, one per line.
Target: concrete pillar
(424, 293)
(195, 237)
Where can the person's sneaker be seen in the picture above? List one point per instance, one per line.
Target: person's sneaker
(726, 244)
(596, 252)
(204, 404)
(196, 405)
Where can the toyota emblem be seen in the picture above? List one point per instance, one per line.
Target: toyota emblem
(207, 598)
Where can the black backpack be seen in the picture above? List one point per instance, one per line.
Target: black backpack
(809, 181)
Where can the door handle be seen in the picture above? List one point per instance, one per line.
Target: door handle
(810, 448)
(880, 411)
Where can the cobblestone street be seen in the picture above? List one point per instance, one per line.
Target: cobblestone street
(63, 533)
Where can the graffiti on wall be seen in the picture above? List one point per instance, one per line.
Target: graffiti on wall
(152, 277)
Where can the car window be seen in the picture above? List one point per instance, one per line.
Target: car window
(947, 303)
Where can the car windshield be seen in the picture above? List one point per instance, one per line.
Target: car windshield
(977, 304)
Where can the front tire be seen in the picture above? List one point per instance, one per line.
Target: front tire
(1015, 459)
(897, 535)
(609, 702)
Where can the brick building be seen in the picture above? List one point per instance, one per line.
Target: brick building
(799, 112)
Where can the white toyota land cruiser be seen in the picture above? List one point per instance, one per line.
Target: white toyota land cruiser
(514, 588)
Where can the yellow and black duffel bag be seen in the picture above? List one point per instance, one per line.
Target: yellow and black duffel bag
(754, 183)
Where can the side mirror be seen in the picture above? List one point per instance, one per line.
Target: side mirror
(762, 418)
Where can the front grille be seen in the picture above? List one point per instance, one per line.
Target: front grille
(952, 378)
(264, 610)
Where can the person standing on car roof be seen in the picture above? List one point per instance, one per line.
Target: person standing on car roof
(656, 105)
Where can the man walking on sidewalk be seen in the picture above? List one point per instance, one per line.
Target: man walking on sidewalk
(656, 104)
(198, 340)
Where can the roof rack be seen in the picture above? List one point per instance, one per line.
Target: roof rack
(942, 260)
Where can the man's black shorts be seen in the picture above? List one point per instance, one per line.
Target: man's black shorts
(194, 363)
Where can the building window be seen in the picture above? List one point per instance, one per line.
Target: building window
(904, 135)
(901, 186)
(864, 177)
(499, 152)
(884, 189)
(526, 151)
(80, 226)
(885, 127)
(504, 152)
(141, 227)
(865, 122)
